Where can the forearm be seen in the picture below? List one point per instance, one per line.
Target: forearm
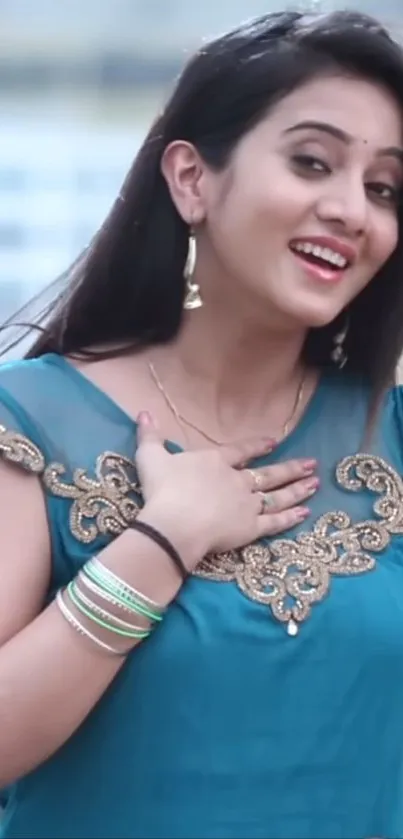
(51, 677)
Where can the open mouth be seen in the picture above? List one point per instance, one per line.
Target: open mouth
(322, 257)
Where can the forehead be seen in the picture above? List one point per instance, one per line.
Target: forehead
(364, 109)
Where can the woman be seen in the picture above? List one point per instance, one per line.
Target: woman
(211, 644)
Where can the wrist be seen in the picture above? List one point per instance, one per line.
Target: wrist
(181, 534)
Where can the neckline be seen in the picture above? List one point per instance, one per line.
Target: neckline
(310, 413)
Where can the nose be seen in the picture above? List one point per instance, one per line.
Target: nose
(346, 207)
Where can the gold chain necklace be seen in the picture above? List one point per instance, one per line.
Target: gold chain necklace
(182, 420)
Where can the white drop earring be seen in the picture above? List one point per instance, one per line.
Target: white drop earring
(339, 354)
(193, 298)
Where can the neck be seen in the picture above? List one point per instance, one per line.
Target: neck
(236, 368)
(238, 359)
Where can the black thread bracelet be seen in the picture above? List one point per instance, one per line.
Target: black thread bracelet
(162, 542)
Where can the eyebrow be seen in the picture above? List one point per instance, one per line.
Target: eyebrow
(327, 128)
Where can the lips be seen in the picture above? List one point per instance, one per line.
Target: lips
(320, 256)
(325, 250)
(324, 259)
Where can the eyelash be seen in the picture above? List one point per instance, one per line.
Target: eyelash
(307, 161)
(315, 166)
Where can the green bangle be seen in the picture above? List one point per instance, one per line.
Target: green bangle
(97, 609)
(99, 621)
(124, 599)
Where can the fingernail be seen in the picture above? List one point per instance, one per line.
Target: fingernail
(308, 466)
(269, 442)
(302, 513)
(313, 484)
(144, 418)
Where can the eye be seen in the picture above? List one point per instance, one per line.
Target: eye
(385, 193)
(310, 164)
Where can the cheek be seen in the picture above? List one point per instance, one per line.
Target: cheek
(383, 242)
(266, 196)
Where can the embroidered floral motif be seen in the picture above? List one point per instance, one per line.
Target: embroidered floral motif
(102, 504)
(287, 575)
(18, 449)
(290, 575)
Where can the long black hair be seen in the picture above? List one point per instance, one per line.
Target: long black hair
(127, 288)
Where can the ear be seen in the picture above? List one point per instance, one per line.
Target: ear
(183, 171)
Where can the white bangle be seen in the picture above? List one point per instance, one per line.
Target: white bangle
(103, 595)
(82, 630)
(125, 587)
(108, 615)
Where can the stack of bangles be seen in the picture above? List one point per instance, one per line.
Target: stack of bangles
(112, 607)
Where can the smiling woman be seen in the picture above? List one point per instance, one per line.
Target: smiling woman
(332, 185)
(325, 148)
(201, 611)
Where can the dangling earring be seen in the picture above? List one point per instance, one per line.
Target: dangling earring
(338, 354)
(192, 299)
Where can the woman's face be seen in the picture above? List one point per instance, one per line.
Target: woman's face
(305, 214)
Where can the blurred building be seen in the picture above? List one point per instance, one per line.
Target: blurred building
(56, 186)
(106, 35)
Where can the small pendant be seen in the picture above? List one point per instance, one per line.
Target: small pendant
(292, 628)
(193, 299)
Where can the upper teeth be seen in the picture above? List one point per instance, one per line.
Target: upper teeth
(323, 253)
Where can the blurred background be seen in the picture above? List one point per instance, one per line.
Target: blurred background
(80, 81)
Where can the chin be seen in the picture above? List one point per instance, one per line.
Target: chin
(311, 317)
(318, 322)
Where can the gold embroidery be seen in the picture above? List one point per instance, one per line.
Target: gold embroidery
(287, 575)
(100, 504)
(290, 575)
(16, 448)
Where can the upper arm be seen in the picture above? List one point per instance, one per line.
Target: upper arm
(25, 554)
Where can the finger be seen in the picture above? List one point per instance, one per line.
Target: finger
(280, 474)
(147, 431)
(273, 523)
(150, 453)
(237, 454)
(253, 479)
(290, 496)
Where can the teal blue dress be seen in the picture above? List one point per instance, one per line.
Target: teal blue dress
(269, 704)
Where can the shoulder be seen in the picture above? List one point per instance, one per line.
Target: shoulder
(54, 425)
(27, 390)
(26, 383)
(27, 378)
